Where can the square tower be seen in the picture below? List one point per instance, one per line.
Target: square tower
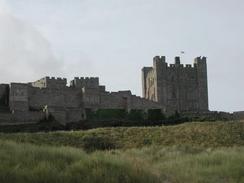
(177, 87)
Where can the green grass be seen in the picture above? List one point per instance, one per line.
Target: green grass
(187, 153)
(186, 164)
(212, 134)
(26, 163)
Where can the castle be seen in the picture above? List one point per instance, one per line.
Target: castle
(169, 88)
(177, 87)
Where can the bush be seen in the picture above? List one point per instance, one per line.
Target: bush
(109, 114)
(136, 115)
(155, 115)
(50, 124)
(90, 114)
(94, 143)
(176, 118)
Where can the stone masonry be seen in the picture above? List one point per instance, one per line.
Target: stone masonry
(31, 102)
(177, 87)
(174, 87)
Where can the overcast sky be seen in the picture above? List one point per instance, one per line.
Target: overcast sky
(114, 39)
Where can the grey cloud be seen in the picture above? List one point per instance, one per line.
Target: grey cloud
(24, 53)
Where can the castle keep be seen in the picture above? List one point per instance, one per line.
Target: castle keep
(177, 87)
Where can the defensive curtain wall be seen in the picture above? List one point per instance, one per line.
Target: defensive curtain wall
(169, 87)
(31, 102)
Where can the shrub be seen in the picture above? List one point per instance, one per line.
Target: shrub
(109, 114)
(176, 118)
(49, 124)
(90, 114)
(155, 115)
(94, 143)
(136, 115)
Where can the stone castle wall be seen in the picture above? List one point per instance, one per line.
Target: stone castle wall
(32, 102)
(18, 97)
(125, 100)
(92, 82)
(177, 87)
(166, 87)
(50, 82)
(4, 94)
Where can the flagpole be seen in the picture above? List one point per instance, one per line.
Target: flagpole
(182, 53)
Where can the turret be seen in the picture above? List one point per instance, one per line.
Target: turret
(158, 62)
(160, 69)
(145, 71)
(201, 66)
(177, 60)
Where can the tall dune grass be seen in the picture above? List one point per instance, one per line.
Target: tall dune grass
(186, 164)
(187, 153)
(205, 134)
(26, 163)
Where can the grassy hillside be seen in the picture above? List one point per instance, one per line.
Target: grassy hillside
(212, 134)
(26, 163)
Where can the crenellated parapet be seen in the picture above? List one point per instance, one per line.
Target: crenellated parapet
(50, 82)
(87, 82)
(158, 61)
(198, 60)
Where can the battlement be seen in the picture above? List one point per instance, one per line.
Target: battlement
(88, 82)
(199, 60)
(87, 78)
(58, 79)
(157, 60)
(147, 69)
(50, 82)
(102, 88)
(188, 66)
(177, 60)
